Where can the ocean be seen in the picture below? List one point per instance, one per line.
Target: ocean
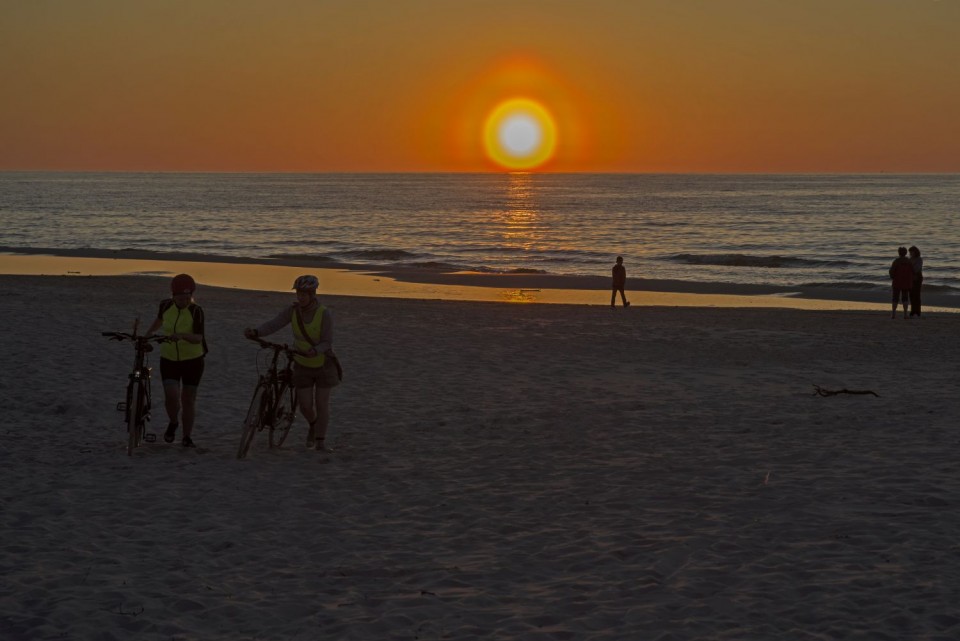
(834, 231)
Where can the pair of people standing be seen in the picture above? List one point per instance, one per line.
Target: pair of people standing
(906, 275)
(182, 356)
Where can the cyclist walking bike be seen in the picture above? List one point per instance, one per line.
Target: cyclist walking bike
(182, 357)
(316, 369)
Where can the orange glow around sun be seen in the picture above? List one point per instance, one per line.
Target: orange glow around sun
(515, 114)
(520, 134)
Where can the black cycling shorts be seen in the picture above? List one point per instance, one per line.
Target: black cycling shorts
(189, 372)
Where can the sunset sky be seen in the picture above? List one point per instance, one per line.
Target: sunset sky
(407, 85)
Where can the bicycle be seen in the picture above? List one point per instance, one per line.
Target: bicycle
(136, 407)
(274, 402)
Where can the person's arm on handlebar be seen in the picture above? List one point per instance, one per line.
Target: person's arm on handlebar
(278, 322)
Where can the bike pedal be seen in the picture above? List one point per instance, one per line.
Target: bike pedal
(121, 407)
(150, 437)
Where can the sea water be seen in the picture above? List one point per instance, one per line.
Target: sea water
(787, 230)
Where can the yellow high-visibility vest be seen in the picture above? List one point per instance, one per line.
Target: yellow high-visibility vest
(313, 331)
(180, 321)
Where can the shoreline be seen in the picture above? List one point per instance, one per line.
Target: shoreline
(267, 274)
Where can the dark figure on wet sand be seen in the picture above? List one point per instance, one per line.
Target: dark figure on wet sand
(619, 283)
(917, 263)
(901, 273)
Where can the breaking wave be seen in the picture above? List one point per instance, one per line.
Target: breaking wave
(746, 260)
(394, 255)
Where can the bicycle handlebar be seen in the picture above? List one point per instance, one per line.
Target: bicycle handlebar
(124, 336)
(274, 346)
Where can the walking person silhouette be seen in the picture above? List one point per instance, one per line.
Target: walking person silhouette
(619, 283)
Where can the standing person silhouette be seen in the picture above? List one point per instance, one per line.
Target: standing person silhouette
(901, 273)
(619, 283)
(917, 263)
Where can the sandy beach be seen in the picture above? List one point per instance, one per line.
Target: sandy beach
(499, 472)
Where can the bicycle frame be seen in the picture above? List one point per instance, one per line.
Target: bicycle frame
(137, 404)
(274, 401)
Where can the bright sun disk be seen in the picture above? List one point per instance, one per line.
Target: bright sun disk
(520, 134)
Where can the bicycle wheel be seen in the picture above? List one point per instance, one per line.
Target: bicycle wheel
(128, 405)
(261, 401)
(147, 404)
(283, 415)
(136, 416)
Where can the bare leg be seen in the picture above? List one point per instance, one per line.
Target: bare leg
(305, 401)
(322, 398)
(171, 399)
(189, 403)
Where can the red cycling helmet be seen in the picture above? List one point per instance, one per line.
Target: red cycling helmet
(183, 284)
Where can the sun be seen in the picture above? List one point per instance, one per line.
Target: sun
(520, 134)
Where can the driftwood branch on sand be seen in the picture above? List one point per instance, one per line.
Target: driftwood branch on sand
(819, 391)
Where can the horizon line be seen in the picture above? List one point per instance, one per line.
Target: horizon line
(492, 173)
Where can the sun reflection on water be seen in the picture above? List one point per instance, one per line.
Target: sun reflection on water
(520, 224)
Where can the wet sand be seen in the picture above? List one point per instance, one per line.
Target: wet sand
(397, 282)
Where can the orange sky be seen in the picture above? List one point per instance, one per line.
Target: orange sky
(404, 85)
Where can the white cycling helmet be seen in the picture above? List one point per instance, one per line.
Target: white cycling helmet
(307, 281)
